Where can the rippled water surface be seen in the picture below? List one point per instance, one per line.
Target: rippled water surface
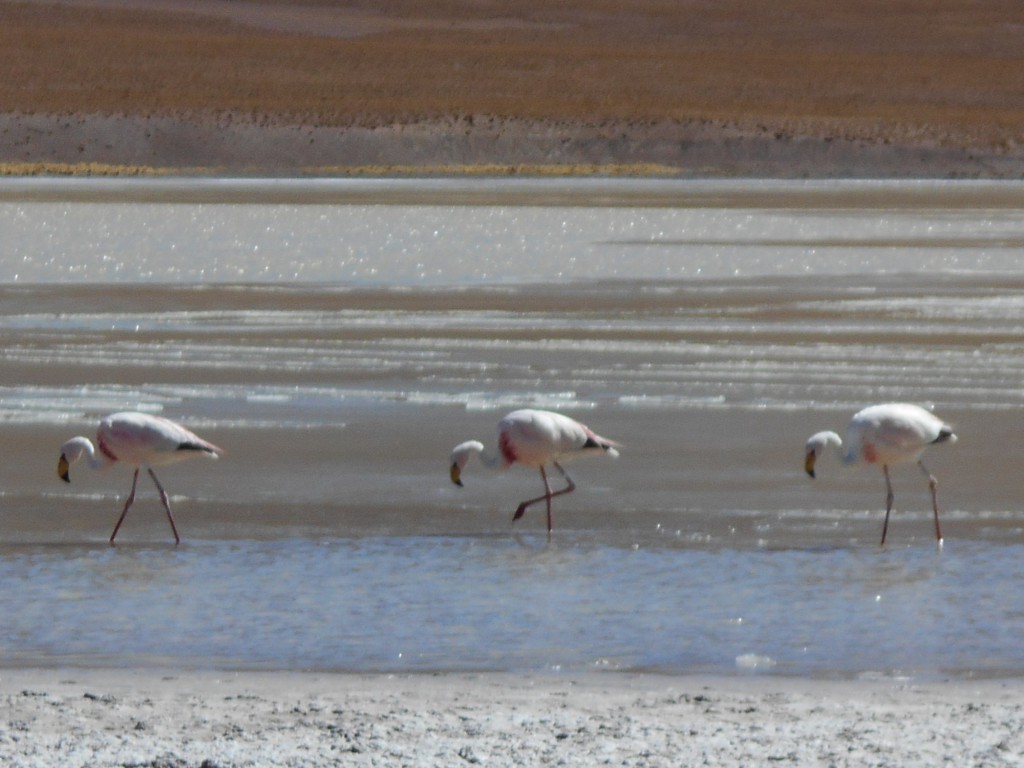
(338, 339)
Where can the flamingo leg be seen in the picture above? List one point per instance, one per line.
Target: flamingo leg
(569, 488)
(888, 502)
(933, 486)
(547, 487)
(128, 503)
(548, 494)
(166, 503)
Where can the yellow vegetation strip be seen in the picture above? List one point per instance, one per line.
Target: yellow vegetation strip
(486, 169)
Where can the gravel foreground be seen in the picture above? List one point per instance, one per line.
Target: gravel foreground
(155, 718)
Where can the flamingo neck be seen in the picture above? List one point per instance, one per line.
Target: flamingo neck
(491, 458)
(847, 453)
(844, 454)
(97, 459)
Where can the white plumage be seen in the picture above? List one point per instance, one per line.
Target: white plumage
(139, 440)
(892, 433)
(534, 438)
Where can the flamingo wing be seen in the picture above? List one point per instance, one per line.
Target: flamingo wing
(536, 438)
(139, 438)
(895, 431)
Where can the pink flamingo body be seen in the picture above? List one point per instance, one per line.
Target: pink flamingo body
(138, 440)
(534, 439)
(892, 433)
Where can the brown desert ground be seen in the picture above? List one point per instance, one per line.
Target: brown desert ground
(794, 88)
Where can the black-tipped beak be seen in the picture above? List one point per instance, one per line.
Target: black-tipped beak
(809, 463)
(62, 469)
(456, 475)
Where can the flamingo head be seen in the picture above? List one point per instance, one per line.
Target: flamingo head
(815, 445)
(71, 452)
(461, 455)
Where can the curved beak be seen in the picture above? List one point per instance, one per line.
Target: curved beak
(456, 475)
(809, 463)
(62, 469)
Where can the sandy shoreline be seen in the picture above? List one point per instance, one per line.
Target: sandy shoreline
(119, 717)
(224, 145)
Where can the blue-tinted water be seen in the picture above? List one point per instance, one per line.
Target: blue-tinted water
(483, 603)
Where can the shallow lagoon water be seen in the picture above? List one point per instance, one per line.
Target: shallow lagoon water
(494, 603)
(337, 339)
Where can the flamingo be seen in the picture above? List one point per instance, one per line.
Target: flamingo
(140, 440)
(892, 433)
(534, 438)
